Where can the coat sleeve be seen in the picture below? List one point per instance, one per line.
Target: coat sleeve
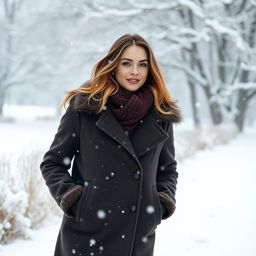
(57, 161)
(167, 175)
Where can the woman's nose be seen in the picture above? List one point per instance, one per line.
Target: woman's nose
(134, 70)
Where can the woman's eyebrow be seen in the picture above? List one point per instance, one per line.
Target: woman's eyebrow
(132, 60)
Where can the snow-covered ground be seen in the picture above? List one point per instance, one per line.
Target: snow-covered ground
(216, 199)
(216, 203)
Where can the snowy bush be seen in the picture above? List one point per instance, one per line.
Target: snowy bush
(6, 119)
(188, 142)
(13, 204)
(24, 201)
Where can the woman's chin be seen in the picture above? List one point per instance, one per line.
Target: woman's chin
(131, 87)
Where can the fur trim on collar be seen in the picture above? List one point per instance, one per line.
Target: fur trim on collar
(175, 117)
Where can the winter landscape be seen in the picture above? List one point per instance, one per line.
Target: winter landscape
(216, 199)
(207, 51)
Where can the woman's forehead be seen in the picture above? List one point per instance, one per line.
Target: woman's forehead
(134, 52)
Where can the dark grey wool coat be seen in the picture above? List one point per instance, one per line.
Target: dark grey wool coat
(117, 182)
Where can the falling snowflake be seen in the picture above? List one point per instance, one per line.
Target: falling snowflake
(144, 239)
(150, 209)
(197, 104)
(101, 214)
(162, 168)
(136, 175)
(133, 208)
(66, 160)
(92, 242)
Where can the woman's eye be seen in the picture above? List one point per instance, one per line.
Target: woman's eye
(143, 64)
(126, 63)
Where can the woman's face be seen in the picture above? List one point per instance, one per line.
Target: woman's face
(132, 69)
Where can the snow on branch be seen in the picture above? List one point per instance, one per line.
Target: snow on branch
(195, 76)
(135, 10)
(227, 1)
(253, 2)
(196, 9)
(201, 35)
(183, 36)
(247, 67)
(218, 27)
(242, 86)
(154, 6)
(113, 12)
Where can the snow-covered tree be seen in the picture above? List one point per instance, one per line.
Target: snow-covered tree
(217, 54)
(34, 51)
(211, 42)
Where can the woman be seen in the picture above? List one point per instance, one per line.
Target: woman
(118, 128)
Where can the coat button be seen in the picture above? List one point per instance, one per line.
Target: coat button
(136, 175)
(133, 208)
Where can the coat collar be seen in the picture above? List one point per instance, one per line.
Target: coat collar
(81, 102)
(148, 133)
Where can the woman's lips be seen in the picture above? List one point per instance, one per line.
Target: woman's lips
(133, 81)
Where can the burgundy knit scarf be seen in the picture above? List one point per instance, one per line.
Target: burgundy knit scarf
(130, 110)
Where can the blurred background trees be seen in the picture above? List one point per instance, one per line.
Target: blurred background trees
(206, 50)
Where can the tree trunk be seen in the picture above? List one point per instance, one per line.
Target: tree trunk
(215, 112)
(3, 93)
(1, 105)
(241, 106)
(195, 111)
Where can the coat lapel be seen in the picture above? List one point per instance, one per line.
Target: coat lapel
(147, 135)
(110, 125)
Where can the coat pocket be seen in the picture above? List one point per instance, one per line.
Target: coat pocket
(83, 202)
(157, 205)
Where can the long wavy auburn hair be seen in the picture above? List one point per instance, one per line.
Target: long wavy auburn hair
(102, 83)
